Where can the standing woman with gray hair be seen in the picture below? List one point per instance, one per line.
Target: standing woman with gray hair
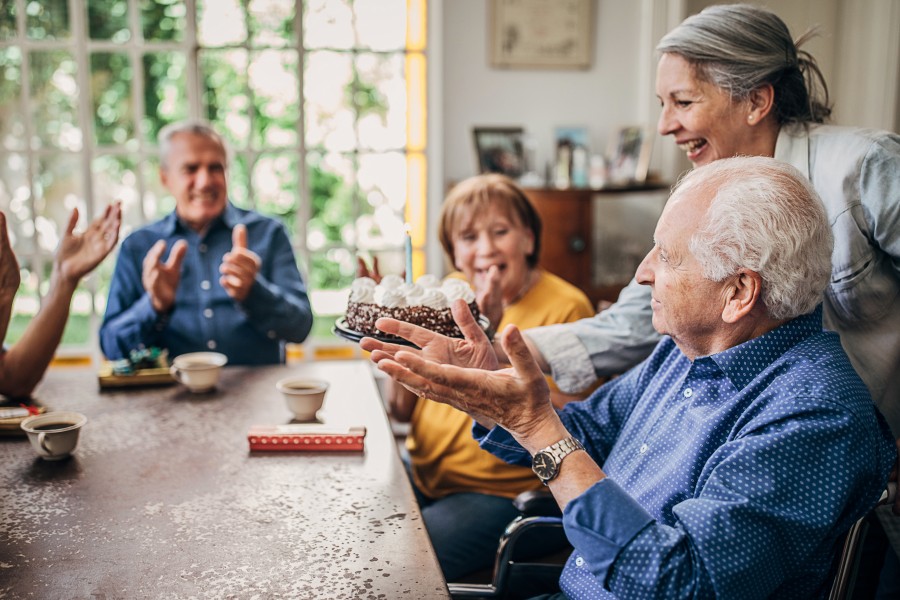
(731, 81)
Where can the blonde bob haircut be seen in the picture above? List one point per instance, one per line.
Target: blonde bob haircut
(475, 195)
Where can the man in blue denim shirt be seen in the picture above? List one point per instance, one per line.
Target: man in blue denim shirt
(229, 281)
(729, 462)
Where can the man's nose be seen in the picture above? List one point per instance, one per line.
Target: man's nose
(202, 178)
(644, 273)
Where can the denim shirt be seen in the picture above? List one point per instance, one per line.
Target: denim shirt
(856, 172)
(731, 476)
(204, 317)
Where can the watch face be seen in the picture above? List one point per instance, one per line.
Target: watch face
(544, 465)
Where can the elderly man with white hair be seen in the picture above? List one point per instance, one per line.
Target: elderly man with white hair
(729, 462)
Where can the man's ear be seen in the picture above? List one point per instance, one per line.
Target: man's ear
(743, 293)
(163, 179)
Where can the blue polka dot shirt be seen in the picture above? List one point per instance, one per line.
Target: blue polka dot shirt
(731, 476)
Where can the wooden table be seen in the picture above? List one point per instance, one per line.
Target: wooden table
(162, 498)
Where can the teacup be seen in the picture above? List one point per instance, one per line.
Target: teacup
(304, 396)
(198, 371)
(54, 435)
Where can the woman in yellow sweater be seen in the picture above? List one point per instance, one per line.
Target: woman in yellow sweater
(492, 235)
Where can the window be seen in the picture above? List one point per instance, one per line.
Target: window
(322, 102)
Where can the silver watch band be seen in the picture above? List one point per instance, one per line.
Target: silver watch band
(563, 448)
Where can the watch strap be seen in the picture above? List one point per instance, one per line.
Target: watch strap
(558, 451)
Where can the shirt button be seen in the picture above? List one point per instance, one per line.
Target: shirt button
(271, 335)
(688, 393)
(579, 562)
(644, 448)
(208, 313)
(204, 285)
(211, 344)
(202, 247)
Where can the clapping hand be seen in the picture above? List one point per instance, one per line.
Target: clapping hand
(79, 254)
(363, 270)
(161, 279)
(240, 266)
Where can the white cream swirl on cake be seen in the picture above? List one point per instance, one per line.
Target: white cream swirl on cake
(425, 303)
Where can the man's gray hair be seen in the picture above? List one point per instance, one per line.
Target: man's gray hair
(192, 127)
(765, 216)
(740, 47)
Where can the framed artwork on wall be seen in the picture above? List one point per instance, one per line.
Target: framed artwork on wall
(500, 150)
(529, 34)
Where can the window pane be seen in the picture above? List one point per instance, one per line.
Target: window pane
(381, 24)
(111, 77)
(276, 186)
(332, 190)
(108, 20)
(57, 189)
(7, 19)
(276, 96)
(380, 99)
(115, 178)
(78, 326)
(25, 304)
(47, 19)
(327, 92)
(14, 202)
(222, 25)
(54, 100)
(332, 269)
(12, 124)
(165, 96)
(272, 22)
(328, 24)
(158, 202)
(224, 74)
(163, 20)
(382, 184)
(239, 182)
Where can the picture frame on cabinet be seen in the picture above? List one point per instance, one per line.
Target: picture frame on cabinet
(500, 150)
(629, 154)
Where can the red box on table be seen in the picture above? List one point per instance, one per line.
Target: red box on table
(306, 437)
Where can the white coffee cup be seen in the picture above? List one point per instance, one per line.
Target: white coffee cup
(198, 371)
(54, 435)
(304, 395)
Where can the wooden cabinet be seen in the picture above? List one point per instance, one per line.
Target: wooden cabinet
(595, 239)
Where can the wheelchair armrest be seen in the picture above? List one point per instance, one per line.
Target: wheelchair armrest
(537, 503)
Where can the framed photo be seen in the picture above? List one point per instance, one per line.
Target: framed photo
(629, 154)
(500, 150)
(541, 34)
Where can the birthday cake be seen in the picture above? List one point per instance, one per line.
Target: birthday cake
(425, 303)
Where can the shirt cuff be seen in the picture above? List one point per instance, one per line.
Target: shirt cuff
(501, 444)
(570, 363)
(601, 522)
(145, 313)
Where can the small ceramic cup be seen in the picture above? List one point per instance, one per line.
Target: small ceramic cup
(54, 435)
(304, 396)
(198, 371)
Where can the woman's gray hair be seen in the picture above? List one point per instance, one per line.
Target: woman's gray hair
(740, 47)
(765, 216)
(192, 127)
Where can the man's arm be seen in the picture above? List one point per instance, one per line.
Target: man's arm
(609, 343)
(23, 365)
(277, 301)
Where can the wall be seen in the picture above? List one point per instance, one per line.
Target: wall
(858, 46)
(538, 100)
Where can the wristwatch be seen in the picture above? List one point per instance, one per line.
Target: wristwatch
(546, 462)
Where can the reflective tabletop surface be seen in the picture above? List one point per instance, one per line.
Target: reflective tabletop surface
(162, 498)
